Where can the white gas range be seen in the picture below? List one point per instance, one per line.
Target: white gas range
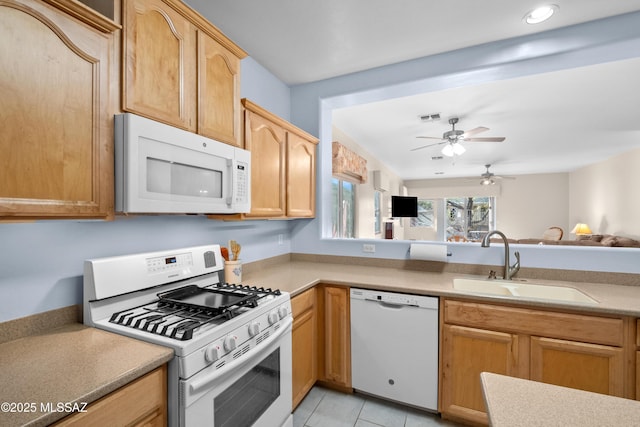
(232, 343)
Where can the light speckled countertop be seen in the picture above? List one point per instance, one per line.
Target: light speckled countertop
(296, 276)
(515, 402)
(72, 363)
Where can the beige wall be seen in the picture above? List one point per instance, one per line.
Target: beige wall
(525, 206)
(365, 192)
(530, 204)
(606, 195)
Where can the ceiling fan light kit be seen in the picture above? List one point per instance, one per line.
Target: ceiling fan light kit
(452, 138)
(489, 178)
(453, 149)
(487, 181)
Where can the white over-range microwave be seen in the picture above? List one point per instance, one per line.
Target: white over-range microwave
(163, 169)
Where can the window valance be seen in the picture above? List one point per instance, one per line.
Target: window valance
(348, 165)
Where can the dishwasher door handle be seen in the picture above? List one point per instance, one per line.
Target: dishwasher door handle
(391, 305)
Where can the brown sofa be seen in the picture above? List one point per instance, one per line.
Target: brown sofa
(606, 240)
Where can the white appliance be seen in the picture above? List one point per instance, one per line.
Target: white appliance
(394, 346)
(163, 169)
(232, 343)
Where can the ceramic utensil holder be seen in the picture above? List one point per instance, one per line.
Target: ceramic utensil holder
(233, 272)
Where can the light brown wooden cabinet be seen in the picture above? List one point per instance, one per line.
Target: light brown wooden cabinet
(585, 366)
(219, 109)
(57, 127)
(335, 337)
(180, 69)
(283, 166)
(321, 340)
(143, 402)
(638, 359)
(304, 340)
(572, 350)
(467, 352)
(301, 176)
(266, 140)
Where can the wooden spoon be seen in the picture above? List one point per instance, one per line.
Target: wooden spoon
(235, 249)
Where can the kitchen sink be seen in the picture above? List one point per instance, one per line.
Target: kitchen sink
(522, 290)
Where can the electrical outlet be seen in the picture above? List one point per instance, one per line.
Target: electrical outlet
(281, 239)
(370, 248)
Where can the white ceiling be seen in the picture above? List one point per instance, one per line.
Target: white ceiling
(590, 110)
(553, 122)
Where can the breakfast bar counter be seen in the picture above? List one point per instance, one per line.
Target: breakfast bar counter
(515, 402)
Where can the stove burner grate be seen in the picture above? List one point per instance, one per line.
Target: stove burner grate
(180, 312)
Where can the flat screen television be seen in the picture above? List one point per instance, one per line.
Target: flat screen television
(404, 206)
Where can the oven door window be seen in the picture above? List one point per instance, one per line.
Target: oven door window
(251, 395)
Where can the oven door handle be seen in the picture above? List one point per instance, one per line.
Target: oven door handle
(201, 383)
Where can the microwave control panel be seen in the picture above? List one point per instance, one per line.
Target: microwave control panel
(243, 182)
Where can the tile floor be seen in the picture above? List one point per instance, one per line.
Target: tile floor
(328, 408)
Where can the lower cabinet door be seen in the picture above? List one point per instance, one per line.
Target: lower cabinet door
(303, 339)
(590, 367)
(141, 403)
(466, 353)
(337, 336)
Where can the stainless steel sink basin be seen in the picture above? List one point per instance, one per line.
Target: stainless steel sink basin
(522, 290)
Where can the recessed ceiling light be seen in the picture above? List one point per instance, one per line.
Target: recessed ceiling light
(540, 14)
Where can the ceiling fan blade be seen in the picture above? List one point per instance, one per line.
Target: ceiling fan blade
(474, 131)
(430, 137)
(427, 146)
(486, 139)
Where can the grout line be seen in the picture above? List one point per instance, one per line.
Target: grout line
(324, 394)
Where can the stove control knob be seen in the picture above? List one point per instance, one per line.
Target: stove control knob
(229, 343)
(272, 317)
(282, 312)
(254, 329)
(212, 353)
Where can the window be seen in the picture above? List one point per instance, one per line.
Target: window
(469, 218)
(425, 216)
(343, 208)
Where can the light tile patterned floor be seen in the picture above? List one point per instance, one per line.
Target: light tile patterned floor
(328, 408)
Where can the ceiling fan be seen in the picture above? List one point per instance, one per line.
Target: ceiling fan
(453, 138)
(489, 178)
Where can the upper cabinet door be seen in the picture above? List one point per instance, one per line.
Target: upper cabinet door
(266, 141)
(159, 63)
(301, 176)
(219, 111)
(57, 117)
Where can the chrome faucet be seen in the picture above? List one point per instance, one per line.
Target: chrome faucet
(509, 271)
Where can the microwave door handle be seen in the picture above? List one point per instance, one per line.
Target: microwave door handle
(232, 178)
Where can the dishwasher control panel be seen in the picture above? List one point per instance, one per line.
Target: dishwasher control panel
(395, 298)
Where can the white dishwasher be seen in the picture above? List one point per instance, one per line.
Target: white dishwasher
(394, 346)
